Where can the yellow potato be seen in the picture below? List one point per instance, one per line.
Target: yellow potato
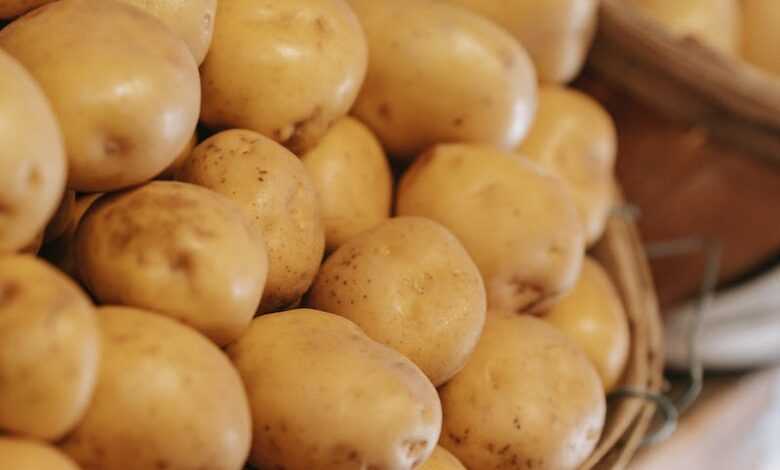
(575, 138)
(49, 349)
(439, 73)
(761, 34)
(518, 222)
(527, 399)
(592, 316)
(409, 284)
(178, 249)
(11, 8)
(124, 88)
(166, 398)
(32, 157)
(324, 396)
(441, 460)
(278, 197)
(60, 251)
(285, 69)
(556, 33)
(18, 454)
(349, 169)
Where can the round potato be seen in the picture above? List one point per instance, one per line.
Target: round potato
(60, 250)
(32, 157)
(518, 223)
(760, 34)
(124, 88)
(592, 316)
(287, 69)
(177, 249)
(12, 8)
(166, 399)
(441, 460)
(575, 138)
(49, 349)
(527, 399)
(275, 192)
(439, 73)
(410, 285)
(556, 33)
(325, 396)
(18, 454)
(350, 171)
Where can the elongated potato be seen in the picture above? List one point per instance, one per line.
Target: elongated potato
(20, 454)
(439, 73)
(49, 350)
(442, 460)
(760, 34)
(324, 396)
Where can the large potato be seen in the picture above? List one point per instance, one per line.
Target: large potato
(575, 138)
(518, 223)
(124, 88)
(178, 249)
(273, 188)
(761, 34)
(439, 73)
(49, 349)
(166, 398)
(18, 454)
(527, 399)
(556, 33)
(32, 157)
(441, 460)
(410, 285)
(349, 169)
(285, 69)
(324, 396)
(592, 315)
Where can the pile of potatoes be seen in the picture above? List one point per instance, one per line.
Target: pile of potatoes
(302, 235)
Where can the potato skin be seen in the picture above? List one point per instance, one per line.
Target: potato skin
(352, 176)
(359, 404)
(178, 249)
(277, 196)
(166, 398)
(124, 88)
(527, 399)
(439, 73)
(312, 54)
(49, 349)
(518, 222)
(32, 157)
(441, 459)
(410, 285)
(20, 454)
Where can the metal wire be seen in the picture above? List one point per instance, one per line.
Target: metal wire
(663, 404)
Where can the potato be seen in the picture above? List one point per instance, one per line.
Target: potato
(575, 138)
(19, 454)
(32, 157)
(278, 197)
(409, 284)
(556, 33)
(592, 316)
(124, 88)
(527, 399)
(441, 460)
(349, 169)
(166, 399)
(324, 396)
(439, 73)
(49, 349)
(60, 251)
(760, 34)
(177, 249)
(11, 8)
(518, 223)
(287, 69)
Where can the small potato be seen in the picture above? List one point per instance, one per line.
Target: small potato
(124, 88)
(439, 73)
(518, 222)
(441, 460)
(32, 157)
(18, 454)
(324, 396)
(409, 284)
(166, 398)
(286, 69)
(527, 399)
(575, 138)
(12, 8)
(177, 249)
(761, 34)
(279, 199)
(49, 350)
(349, 169)
(593, 317)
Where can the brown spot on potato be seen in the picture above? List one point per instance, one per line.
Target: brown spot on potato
(458, 121)
(116, 147)
(183, 262)
(385, 112)
(9, 291)
(415, 447)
